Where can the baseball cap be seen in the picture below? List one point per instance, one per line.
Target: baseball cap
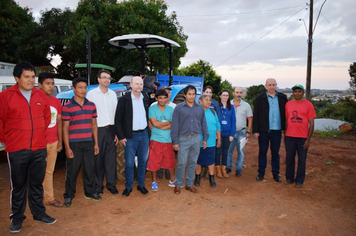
(165, 87)
(298, 86)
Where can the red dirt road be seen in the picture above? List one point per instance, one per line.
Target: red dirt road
(325, 205)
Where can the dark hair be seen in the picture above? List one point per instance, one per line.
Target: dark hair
(45, 75)
(79, 79)
(228, 104)
(208, 87)
(103, 71)
(189, 87)
(161, 92)
(23, 65)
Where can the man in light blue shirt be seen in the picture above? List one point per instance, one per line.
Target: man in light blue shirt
(268, 123)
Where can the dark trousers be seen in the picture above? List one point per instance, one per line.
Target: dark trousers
(105, 161)
(27, 168)
(83, 156)
(293, 146)
(222, 151)
(274, 137)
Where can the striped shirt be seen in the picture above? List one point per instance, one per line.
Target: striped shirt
(80, 119)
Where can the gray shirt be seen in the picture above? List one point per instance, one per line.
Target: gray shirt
(188, 120)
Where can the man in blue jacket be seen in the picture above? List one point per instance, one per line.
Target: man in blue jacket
(268, 123)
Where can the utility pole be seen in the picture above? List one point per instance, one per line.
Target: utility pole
(310, 50)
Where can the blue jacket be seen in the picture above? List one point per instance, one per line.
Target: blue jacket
(229, 117)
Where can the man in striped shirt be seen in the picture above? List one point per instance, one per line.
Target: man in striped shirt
(80, 137)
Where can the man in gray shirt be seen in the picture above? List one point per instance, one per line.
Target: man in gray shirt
(188, 122)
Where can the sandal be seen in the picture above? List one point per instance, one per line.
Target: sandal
(55, 203)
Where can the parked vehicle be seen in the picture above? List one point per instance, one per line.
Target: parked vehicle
(60, 85)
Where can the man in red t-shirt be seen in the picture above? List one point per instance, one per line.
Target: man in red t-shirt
(53, 137)
(300, 116)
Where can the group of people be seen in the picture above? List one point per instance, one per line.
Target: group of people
(185, 139)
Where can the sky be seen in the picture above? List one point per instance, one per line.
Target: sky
(247, 42)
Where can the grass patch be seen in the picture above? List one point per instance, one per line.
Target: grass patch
(328, 133)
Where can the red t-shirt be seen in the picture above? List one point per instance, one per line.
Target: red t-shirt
(298, 115)
(52, 130)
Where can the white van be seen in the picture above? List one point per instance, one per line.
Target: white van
(59, 84)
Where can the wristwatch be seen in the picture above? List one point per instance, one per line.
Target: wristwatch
(248, 132)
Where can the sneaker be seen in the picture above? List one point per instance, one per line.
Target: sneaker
(154, 186)
(158, 180)
(15, 226)
(46, 219)
(94, 197)
(260, 176)
(171, 184)
(228, 170)
(67, 202)
(238, 173)
(288, 181)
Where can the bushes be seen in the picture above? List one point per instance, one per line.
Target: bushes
(344, 109)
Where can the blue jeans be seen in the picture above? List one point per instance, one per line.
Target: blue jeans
(273, 136)
(240, 153)
(222, 151)
(293, 146)
(137, 145)
(189, 149)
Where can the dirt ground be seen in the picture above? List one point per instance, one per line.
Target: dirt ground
(325, 205)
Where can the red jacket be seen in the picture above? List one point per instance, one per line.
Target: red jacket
(22, 126)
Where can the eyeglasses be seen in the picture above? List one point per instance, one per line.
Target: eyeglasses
(105, 77)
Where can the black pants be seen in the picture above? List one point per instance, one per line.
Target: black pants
(83, 156)
(274, 137)
(27, 167)
(293, 146)
(105, 161)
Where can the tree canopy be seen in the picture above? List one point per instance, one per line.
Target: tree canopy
(200, 68)
(20, 37)
(253, 91)
(352, 73)
(61, 32)
(106, 19)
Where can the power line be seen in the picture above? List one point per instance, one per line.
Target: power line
(240, 13)
(338, 30)
(260, 37)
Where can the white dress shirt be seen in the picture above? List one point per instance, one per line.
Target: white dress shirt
(105, 106)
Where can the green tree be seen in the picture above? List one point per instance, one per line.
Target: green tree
(55, 29)
(106, 19)
(253, 91)
(20, 35)
(352, 73)
(203, 68)
(228, 86)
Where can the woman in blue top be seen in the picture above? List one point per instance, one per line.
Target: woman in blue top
(207, 155)
(228, 129)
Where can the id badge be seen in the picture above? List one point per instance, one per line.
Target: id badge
(224, 122)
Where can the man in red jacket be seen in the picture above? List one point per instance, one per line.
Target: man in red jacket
(24, 117)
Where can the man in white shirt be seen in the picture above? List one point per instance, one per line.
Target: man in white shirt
(243, 113)
(105, 101)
